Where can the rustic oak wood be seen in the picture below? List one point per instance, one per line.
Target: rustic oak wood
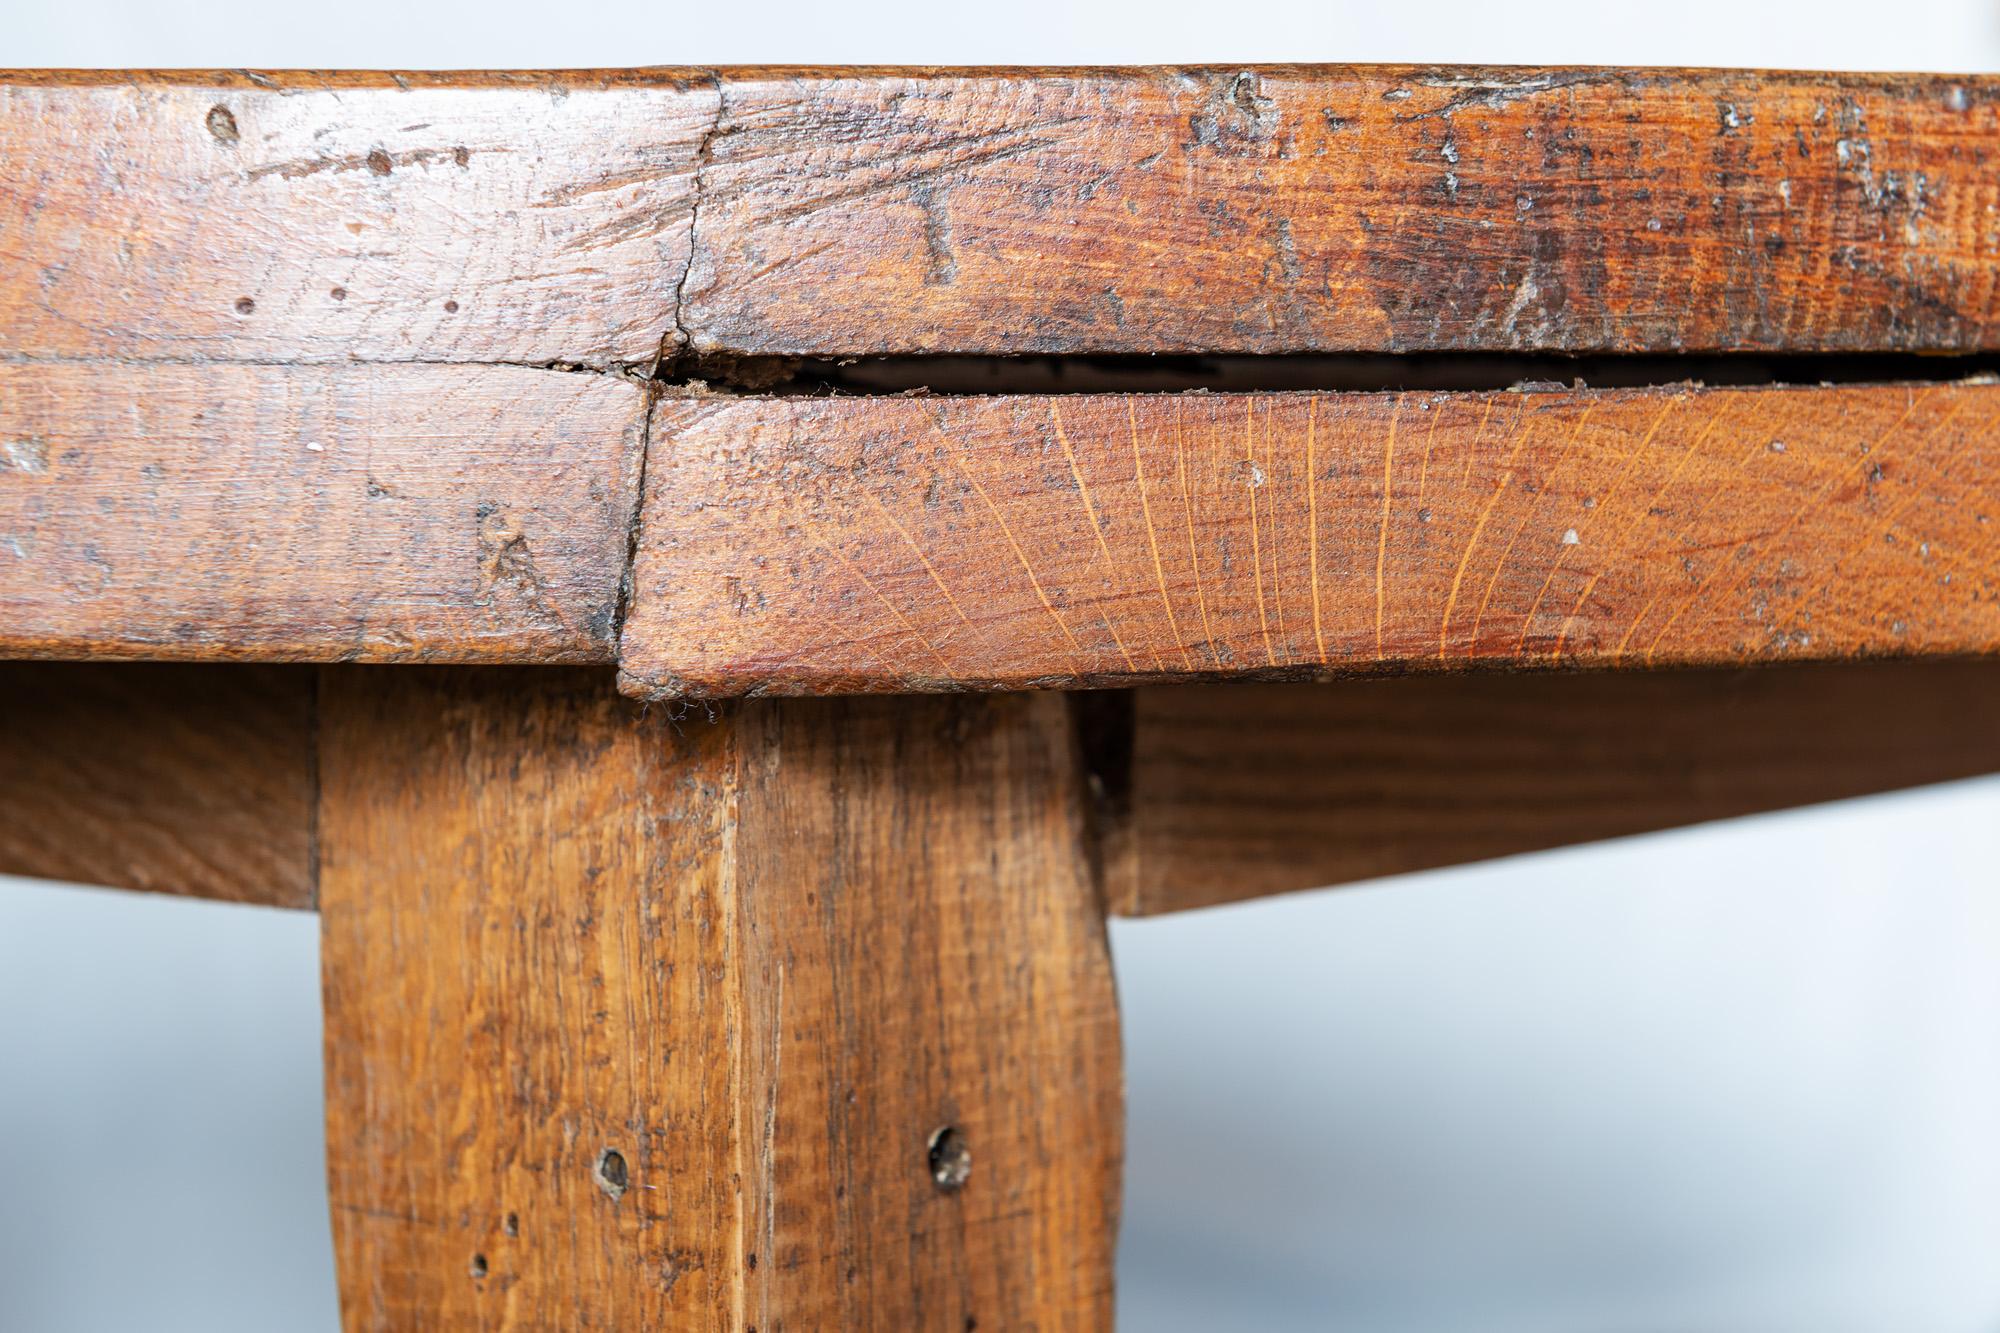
(599, 216)
(184, 250)
(382, 513)
(179, 779)
(335, 217)
(1224, 792)
(762, 961)
(798, 1014)
(824, 545)
(1389, 208)
(199, 780)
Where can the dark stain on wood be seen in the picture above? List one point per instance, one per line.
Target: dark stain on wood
(605, 216)
(1406, 209)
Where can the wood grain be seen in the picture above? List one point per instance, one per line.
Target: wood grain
(526, 967)
(1219, 793)
(597, 217)
(314, 513)
(1393, 208)
(194, 262)
(762, 960)
(179, 779)
(376, 217)
(914, 875)
(805, 546)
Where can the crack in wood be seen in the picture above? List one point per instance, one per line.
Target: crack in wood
(704, 154)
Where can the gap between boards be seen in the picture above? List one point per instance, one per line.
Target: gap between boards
(953, 375)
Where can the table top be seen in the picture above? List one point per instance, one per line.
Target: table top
(533, 367)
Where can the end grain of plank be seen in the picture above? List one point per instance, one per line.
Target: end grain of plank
(824, 546)
(315, 513)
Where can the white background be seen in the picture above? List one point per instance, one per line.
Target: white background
(1740, 1078)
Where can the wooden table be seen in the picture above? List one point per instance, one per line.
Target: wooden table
(1571, 453)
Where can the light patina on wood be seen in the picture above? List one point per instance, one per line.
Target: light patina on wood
(826, 545)
(801, 1018)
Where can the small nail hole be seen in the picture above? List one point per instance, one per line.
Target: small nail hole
(338, 293)
(379, 162)
(512, 1226)
(222, 124)
(451, 307)
(244, 305)
(479, 1265)
(950, 1158)
(612, 1176)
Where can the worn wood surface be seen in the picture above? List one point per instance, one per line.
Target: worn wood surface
(194, 262)
(1219, 793)
(802, 1018)
(1346, 207)
(597, 216)
(385, 513)
(337, 217)
(178, 779)
(762, 961)
(913, 876)
(814, 545)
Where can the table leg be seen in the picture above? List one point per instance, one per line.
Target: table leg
(800, 1017)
